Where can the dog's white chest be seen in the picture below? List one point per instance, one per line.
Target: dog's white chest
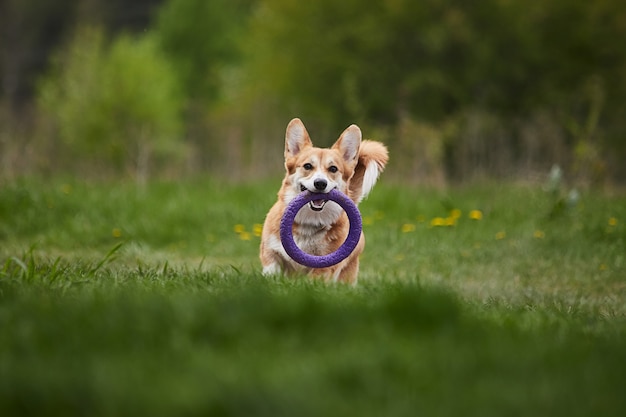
(314, 244)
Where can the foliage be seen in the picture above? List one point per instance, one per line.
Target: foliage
(499, 88)
(29, 30)
(438, 56)
(120, 102)
(201, 40)
(440, 61)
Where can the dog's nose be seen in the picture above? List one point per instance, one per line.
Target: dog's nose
(320, 184)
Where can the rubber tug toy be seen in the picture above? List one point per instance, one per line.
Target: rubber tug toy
(323, 261)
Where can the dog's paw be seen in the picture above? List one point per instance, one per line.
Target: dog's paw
(272, 269)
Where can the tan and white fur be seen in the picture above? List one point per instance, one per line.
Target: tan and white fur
(352, 166)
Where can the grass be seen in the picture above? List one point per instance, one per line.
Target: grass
(115, 301)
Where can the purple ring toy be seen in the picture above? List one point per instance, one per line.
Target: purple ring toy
(313, 261)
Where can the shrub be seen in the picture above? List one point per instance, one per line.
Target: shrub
(115, 105)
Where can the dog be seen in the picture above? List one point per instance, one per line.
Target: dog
(352, 166)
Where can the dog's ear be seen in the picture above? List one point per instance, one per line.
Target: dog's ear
(296, 138)
(349, 143)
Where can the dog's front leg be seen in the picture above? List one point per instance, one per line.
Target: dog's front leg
(329, 274)
(272, 269)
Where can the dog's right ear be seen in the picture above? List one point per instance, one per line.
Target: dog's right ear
(296, 138)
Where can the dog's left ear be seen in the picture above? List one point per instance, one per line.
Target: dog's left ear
(349, 143)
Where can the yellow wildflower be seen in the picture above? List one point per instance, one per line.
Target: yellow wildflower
(449, 221)
(455, 214)
(116, 232)
(239, 228)
(245, 236)
(612, 221)
(539, 234)
(257, 229)
(438, 221)
(408, 227)
(475, 215)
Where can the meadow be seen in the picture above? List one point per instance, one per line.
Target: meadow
(494, 299)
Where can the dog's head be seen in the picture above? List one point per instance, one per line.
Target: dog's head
(319, 170)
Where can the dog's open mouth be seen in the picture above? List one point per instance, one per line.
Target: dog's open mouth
(317, 204)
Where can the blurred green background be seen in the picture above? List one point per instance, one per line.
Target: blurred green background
(458, 90)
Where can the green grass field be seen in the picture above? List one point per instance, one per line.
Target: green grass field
(479, 301)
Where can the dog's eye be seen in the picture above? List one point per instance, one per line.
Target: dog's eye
(333, 169)
(307, 166)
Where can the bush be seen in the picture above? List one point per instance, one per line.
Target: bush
(114, 105)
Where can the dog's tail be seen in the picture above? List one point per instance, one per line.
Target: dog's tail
(373, 157)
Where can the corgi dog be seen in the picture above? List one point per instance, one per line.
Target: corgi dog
(352, 166)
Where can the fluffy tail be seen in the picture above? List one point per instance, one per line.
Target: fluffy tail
(373, 157)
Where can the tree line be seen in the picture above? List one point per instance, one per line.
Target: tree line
(458, 90)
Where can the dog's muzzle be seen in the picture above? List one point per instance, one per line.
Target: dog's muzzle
(317, 204)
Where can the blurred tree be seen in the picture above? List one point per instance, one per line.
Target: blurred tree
(374, 61)
(30, 32)
(201, 39)
(28, 29)
(444, 61)
(117, 104)
(504, 85)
